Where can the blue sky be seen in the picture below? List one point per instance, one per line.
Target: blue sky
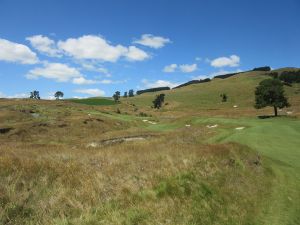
(90, 48)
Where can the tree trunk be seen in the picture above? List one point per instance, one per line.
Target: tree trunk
(275, 110)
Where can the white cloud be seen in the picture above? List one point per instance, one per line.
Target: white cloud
(91, 67)
(106, 82)
(136, 54)
(44, 45)
(159, 83)
(19, 95)
(186, 68)
(57, 71)
(198, 58)
(170, 68)
(14, 52)
(82, 80)
(152, 41)
(92, 47)
(96, 47)
(232, 61)
(92, 92)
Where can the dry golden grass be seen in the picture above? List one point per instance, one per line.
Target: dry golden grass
(49, 176)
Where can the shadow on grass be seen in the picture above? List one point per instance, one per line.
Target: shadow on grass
(270, 116)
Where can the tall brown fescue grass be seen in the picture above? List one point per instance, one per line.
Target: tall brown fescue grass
(49, 175)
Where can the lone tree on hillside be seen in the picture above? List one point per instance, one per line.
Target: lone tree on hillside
(58, 94)
(224, 97)
(116, 96)
(131, 93)
(270, 92)
(125, 94)
(158, 101)
(35, 95)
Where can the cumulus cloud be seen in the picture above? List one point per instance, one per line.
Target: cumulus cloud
(44, 45)
(91, 67)
(170, 68)
(186, 68)
(14, 52)
(82, 80)
(136, 54)
(91, 91)
(61, 73)
(96, 47)
(158, 83)
(152, 41)
(57, 71)
(231, 61)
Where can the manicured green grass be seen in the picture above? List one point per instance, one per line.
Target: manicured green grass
(94, 101)
(279, 140)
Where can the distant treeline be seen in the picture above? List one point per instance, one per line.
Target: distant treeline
(224, 76)
(192, 82)
(288, 77)
(152, 90)
(264, 68)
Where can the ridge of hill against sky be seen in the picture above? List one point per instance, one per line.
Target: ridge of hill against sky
(93, 48)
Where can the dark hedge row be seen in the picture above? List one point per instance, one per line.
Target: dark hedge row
(192, 82)
(152, 90)
(288, 77)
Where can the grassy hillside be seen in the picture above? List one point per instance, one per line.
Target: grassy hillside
(206, 96)
(67, 163)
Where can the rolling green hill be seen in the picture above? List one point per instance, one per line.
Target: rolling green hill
(206, 96)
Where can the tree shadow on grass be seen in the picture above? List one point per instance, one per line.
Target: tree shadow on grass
(270, 116)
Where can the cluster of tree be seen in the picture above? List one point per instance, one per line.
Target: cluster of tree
(116, 96)
(224, 97)
(192, 82)
(35, 95)
(270, 92)
(58, 94)
(263, 68)
(130, 93)
(152, 90)
(158, 101)
(290, 76)
(287, 77)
